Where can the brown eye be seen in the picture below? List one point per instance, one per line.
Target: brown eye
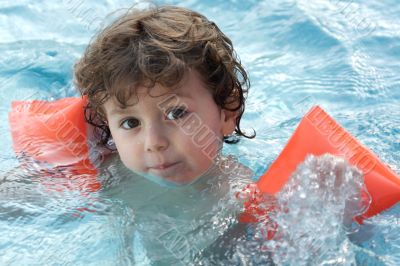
(130, 123)
(176, 113)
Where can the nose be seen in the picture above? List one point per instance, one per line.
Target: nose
(156, 139)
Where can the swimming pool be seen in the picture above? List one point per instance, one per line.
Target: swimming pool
(342, 55)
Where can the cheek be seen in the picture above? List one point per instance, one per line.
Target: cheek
(129, 152)
(201, 146)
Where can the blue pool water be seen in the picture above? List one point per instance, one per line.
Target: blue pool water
(342, 55)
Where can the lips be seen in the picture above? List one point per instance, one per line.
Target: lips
(162, 166)
(165, 169)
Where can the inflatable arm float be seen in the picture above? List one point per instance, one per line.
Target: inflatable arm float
(318, 134)
(56, 134)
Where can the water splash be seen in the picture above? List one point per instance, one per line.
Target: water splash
(314, 213)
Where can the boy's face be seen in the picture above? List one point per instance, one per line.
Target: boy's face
(170, 137)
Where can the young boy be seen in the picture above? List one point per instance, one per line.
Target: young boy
(165, 86)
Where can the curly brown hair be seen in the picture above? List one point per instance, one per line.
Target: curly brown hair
(159, 45)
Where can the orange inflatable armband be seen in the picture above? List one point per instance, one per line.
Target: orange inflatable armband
(54, 134)
(318, 134)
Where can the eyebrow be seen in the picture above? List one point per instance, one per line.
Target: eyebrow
(176, 96)
(162, 104)
(119, 111)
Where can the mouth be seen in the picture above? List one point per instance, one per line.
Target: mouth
(165, 170)
(163, 166)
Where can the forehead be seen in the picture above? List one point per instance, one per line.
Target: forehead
(191, 88)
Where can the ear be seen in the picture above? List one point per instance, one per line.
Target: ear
(228, 121)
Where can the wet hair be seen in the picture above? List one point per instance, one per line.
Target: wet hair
(159, 45)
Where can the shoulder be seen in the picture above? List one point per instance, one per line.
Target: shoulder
(231, 166)
(112, 171)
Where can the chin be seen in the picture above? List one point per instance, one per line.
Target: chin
(171, 182)
(182, 181)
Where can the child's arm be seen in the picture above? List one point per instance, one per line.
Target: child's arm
(224, 247)
(237, 246)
